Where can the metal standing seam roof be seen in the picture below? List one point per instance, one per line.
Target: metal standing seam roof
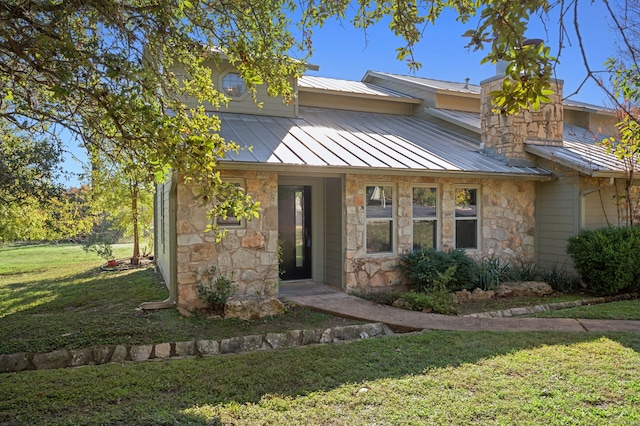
(579, 151)
(346, 139)
(427, 82)
(351, 87)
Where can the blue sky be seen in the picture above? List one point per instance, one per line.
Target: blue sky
(344, 52)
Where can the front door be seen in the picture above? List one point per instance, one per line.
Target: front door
(294, 225)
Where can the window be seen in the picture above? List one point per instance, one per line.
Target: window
(379, 216)
(425, 213)
(233, 85)
(466, 218)
(230, 221)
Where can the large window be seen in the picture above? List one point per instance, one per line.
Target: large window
(379, 216)
(466, 217)
(425, 215)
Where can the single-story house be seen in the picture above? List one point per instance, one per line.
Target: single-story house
(355, 174)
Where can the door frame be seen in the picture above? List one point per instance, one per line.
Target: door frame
(317, 221)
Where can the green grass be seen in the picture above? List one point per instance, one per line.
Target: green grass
(623, 310)
(55, 297)
(441, 378)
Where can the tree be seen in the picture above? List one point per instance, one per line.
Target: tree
(105, 69)
(28, 167)
(123, 193)
(66, 216)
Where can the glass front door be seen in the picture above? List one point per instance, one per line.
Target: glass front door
(294, 224)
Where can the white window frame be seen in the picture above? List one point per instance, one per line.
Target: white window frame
(476, 217)
(392, 219)
(242, 223)
(435, 218)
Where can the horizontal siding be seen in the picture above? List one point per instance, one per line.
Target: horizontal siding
(333, 232)
(600, 209)
(334, 101)
(163, 222)
(556, 220)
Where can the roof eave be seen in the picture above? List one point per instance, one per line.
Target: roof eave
(337, 170)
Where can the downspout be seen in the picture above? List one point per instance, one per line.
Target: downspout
(171, 301)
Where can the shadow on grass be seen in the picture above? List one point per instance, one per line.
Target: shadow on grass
(160, 392)
(68, 312)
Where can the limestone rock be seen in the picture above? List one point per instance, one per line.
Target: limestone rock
(252, 307)
(208, 347)
(51, 360)
(140, 353)
(462, 296)
(479, 295)
(523, 289)
(14, 362)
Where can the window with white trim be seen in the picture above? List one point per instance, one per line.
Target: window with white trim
(379, 219)
(424, 210)
(466, 218)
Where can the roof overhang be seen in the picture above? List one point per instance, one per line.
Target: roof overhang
(333, 171)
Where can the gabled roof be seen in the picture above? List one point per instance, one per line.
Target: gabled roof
(324, 84)
(426, 82)
(332, 139)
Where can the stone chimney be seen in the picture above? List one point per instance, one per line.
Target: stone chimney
(505, 136)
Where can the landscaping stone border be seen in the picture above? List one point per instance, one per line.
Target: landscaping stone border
(175, 350)
(528, 310)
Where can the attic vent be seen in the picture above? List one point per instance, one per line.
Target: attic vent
(466, 83)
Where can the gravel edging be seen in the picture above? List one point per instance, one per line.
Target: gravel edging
(528, 310)
(99, 355)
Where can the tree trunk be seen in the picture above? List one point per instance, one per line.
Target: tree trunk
(135, 259)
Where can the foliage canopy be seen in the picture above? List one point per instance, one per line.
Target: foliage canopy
(105, 70)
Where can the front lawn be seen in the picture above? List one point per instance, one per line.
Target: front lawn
(435, 378)
(56, 296)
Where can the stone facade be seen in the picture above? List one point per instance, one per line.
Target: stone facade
(248, 252)
(504, 136)
(506, 221)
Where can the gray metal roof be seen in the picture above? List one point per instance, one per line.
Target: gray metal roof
(346, 139)
(580, 152)
(351, 87)
(427, 82)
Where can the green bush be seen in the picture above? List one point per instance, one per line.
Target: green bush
(437, 302)
(608, 259)
(430, 269)
(214, 288)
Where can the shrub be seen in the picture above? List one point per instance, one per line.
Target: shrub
(437, 302)
(429, 269)
(608, 259)
(214, 288)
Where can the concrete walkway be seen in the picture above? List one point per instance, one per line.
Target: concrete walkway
(328, 299)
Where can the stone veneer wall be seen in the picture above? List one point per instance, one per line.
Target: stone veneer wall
(250, 252)
(507, 224)
(504, 136)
